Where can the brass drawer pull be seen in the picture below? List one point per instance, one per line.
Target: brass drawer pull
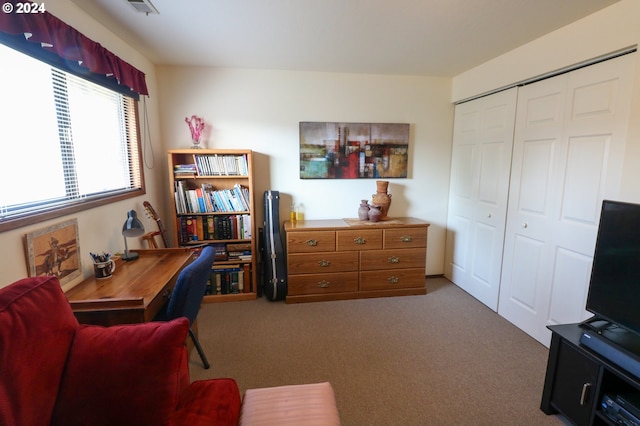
(324, 263)
(393, 279)
(312, 242)
(406, 238)
(359, 240)
(324, 284)
(393, 259)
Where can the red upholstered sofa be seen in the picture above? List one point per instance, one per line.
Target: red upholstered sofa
(54, 371)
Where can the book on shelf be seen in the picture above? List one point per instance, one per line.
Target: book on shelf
(242, 195)
(222, 202)
(206, 199)
(221, 251)
(227, 279)
(246, 275)
(185, 170)
(222, 165)
(211, 286)
(202, 166)
(206, 189)
(202, 208)
(246, 224)
(180, 195)
(199, 228)
(190, 231)
(238, 246)
(209, 230)
(239, 251)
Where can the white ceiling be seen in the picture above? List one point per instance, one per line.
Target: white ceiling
(402, 37)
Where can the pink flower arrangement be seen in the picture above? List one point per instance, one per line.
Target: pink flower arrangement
(196, 124)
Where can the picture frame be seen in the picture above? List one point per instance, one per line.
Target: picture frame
(332, 150)
(55, 250)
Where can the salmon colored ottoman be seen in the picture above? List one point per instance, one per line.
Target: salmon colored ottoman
(293, 405)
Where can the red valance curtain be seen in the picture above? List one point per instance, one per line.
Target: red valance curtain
(69, 44)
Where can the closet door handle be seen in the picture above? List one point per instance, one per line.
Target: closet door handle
(585, 393)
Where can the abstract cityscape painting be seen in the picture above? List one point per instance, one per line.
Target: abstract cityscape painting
(353, 150)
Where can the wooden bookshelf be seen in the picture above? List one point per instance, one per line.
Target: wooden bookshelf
(212, 197)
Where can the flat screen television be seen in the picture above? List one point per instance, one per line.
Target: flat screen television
(614, 289)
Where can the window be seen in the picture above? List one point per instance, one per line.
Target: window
(67, 144)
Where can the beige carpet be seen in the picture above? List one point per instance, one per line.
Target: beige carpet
(438, 359)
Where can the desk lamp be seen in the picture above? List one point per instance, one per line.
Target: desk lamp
(131, 228)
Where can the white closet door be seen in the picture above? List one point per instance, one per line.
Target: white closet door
(567, 157)
(481, 161)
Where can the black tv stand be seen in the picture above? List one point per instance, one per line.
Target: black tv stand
(578, 378)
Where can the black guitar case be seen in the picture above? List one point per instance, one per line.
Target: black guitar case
(274, 285)
(261, 259)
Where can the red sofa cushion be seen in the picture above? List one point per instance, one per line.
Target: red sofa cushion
(35, 336)
(129, 374)
(196, 407)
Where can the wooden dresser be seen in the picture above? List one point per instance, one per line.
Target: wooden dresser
(350, 259)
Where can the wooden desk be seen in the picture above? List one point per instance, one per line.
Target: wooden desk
(136, 291)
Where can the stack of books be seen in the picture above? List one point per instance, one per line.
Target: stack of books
(184, 170)
(240, 251)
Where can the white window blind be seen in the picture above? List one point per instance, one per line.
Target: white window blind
(64, 139)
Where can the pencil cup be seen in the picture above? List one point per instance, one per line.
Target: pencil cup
(104, 269)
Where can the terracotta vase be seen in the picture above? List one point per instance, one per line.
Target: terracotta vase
(363, 210)
(382, 198)
(374, 213)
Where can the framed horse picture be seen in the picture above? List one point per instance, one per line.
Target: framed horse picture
(55, 251)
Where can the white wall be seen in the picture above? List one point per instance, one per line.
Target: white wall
(612, 29)
(261, 110)
(99, 228)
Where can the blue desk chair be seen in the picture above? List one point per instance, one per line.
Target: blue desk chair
(188, 293)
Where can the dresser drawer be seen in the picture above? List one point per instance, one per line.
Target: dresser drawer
(389, 279)
(311, 241)
(393, 258)
(359, 239)
(322, 283)
(314, 263)
(405, 237)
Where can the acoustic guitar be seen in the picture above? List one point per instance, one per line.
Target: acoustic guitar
(161, 230)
